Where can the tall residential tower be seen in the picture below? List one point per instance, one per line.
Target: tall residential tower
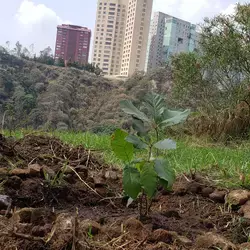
(169, 36)
(72, 43)
(121, 35)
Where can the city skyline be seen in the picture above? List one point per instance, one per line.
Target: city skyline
(34, 22)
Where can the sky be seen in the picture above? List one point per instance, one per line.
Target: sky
(35, 21)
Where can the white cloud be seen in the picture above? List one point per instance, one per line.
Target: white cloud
(229, 10)
(190, 10)
(37, 24)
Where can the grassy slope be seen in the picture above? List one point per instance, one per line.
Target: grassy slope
(224, 164)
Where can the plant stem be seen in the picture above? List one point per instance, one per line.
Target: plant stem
(157, 139)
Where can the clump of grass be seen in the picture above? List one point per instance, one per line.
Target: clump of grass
(228, 166)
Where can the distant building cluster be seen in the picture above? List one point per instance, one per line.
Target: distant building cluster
(126, 40)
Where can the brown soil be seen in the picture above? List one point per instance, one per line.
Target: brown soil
(85, 208)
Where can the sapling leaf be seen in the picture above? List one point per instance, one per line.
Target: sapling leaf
(172, 117)
(139, 126)
(129, 108)
(166, 144)
(131, 181)
(164, 172)
(122, 149)
(136, 141)
(149, 179)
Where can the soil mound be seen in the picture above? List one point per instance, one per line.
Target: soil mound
(57, 197)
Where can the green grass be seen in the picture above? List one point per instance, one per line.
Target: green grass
(223, 164)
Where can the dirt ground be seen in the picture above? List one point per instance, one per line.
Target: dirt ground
(59, 197)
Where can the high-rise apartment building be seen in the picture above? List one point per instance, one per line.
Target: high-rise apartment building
(169, 36)
(121, 35)
(109, 35)
(136, 36)
(72, 43)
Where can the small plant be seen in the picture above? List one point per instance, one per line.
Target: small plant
(58, 179)
(142, 176)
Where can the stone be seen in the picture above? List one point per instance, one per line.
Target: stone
(245, 210)
(207, 191)
(88, 226)
(212, 240)
(237, 197)
(35, 169)
(218, 196)
(5, 202)
(194, 187)
(20, 172)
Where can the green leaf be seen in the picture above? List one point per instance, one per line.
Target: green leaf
(129, 108)
(149, 179)
(174, 117)
(165, 144)
(139, 126)
(155, 105)
(131, 181)
(136, 141)
(164, 172)
(122, 149)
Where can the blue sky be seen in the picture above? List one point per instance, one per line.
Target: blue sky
(35, 21)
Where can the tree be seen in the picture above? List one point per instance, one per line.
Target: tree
(225, 46)
(216, 74)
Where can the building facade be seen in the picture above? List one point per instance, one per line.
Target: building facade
(169, 36)
(121, 35)
(72, 43)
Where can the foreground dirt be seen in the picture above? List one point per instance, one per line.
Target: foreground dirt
(58, 197)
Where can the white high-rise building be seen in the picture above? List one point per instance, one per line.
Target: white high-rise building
(121, 35)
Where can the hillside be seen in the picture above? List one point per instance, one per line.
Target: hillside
(41, 96)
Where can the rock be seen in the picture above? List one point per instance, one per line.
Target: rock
(13, 182)
(88, 226)
(112, 175)
(35, 169)
(218, 196)
(20, 172)
(207, 191)
(211, 240)
(245, 210)
(244, 246)
(5, 202)
(237, 197)
(194, 187)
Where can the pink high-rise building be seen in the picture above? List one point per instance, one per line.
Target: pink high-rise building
(72, 43)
